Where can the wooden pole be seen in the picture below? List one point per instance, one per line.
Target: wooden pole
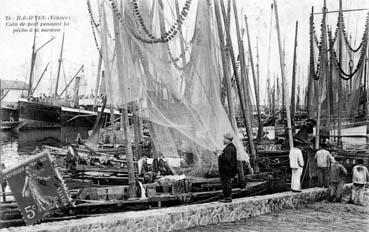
(226, 68)
(97, 80)
(366, 70)
(136, 130)
(365, 86)
(290, 138)
(293, 91)
(329, 94)
(60, 62)
(42, 75)
(241, 173)
(126, 131)
(33, 58)
(243, 101)
(260, 130)
(76, 89)
(258, 74)
(273, 98)
(181, 36)
(322, 77)
(71, 80)
(339, 79)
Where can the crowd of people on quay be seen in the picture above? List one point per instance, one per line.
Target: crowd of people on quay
(331, 174)
(330, 171)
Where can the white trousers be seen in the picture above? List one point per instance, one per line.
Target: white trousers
(296, 179)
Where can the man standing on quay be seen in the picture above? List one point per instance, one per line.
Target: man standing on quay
(227, 162)
(296, 164)
(338, 173)
(323, 158)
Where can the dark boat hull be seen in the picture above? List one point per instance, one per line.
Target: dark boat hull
(40, 115)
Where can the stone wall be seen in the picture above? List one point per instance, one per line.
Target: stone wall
(181, 217)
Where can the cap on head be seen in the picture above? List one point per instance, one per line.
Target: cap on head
(228, 136)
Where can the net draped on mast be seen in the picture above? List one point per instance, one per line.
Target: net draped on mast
(350, 69)
(179, 95)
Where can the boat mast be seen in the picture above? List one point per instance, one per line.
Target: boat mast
(60, 62)
(75, 92)
(323, 75)
(293, 91)
(243, 100)
(366, 98)
(241, 172)
(290, 138)
(33, 58)
(42, 75)
(97, 80)
(258, 72)
(181, 43)
(339, 78)
(126, 130)
(260, 130)
(71, 80)
(226, 68)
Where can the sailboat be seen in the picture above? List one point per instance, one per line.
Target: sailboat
(54, 112)
(176, 84)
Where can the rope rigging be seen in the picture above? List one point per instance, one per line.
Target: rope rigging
(94, 25)
(167, 35)
(315, 71)
(346, 37)
(363, 45)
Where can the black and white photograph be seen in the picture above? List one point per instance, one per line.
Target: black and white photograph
(184, 115)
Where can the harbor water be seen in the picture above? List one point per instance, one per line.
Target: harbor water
(16, 146)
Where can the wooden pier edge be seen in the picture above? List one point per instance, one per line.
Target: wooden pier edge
(187, 216)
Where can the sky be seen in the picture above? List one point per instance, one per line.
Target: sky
(79, 47)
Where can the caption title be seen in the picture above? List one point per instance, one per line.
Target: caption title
(38, 23)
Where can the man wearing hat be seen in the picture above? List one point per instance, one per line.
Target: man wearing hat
(227, 162)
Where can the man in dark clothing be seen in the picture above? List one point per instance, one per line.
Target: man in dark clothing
(338, 173)
(227, 163)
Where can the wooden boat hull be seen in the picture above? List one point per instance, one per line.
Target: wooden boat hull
(113, 200)
(4, 125)
(40, 115)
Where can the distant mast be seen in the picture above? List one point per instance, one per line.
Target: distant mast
(290, 138)
(293, 92)
(33, 58)
(60, 61)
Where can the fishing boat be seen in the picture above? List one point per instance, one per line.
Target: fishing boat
(55, 111)
(178, 99)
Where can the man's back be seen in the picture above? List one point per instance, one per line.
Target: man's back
(338, 172)
(296, 159)
(323, 158)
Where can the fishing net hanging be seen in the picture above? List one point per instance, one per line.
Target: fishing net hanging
(350, 69)
(179, 97)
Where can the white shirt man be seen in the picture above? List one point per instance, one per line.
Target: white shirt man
(296, 164)
(323, 161)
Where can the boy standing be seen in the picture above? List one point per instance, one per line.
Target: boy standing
(338, 173)
(360, 177)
